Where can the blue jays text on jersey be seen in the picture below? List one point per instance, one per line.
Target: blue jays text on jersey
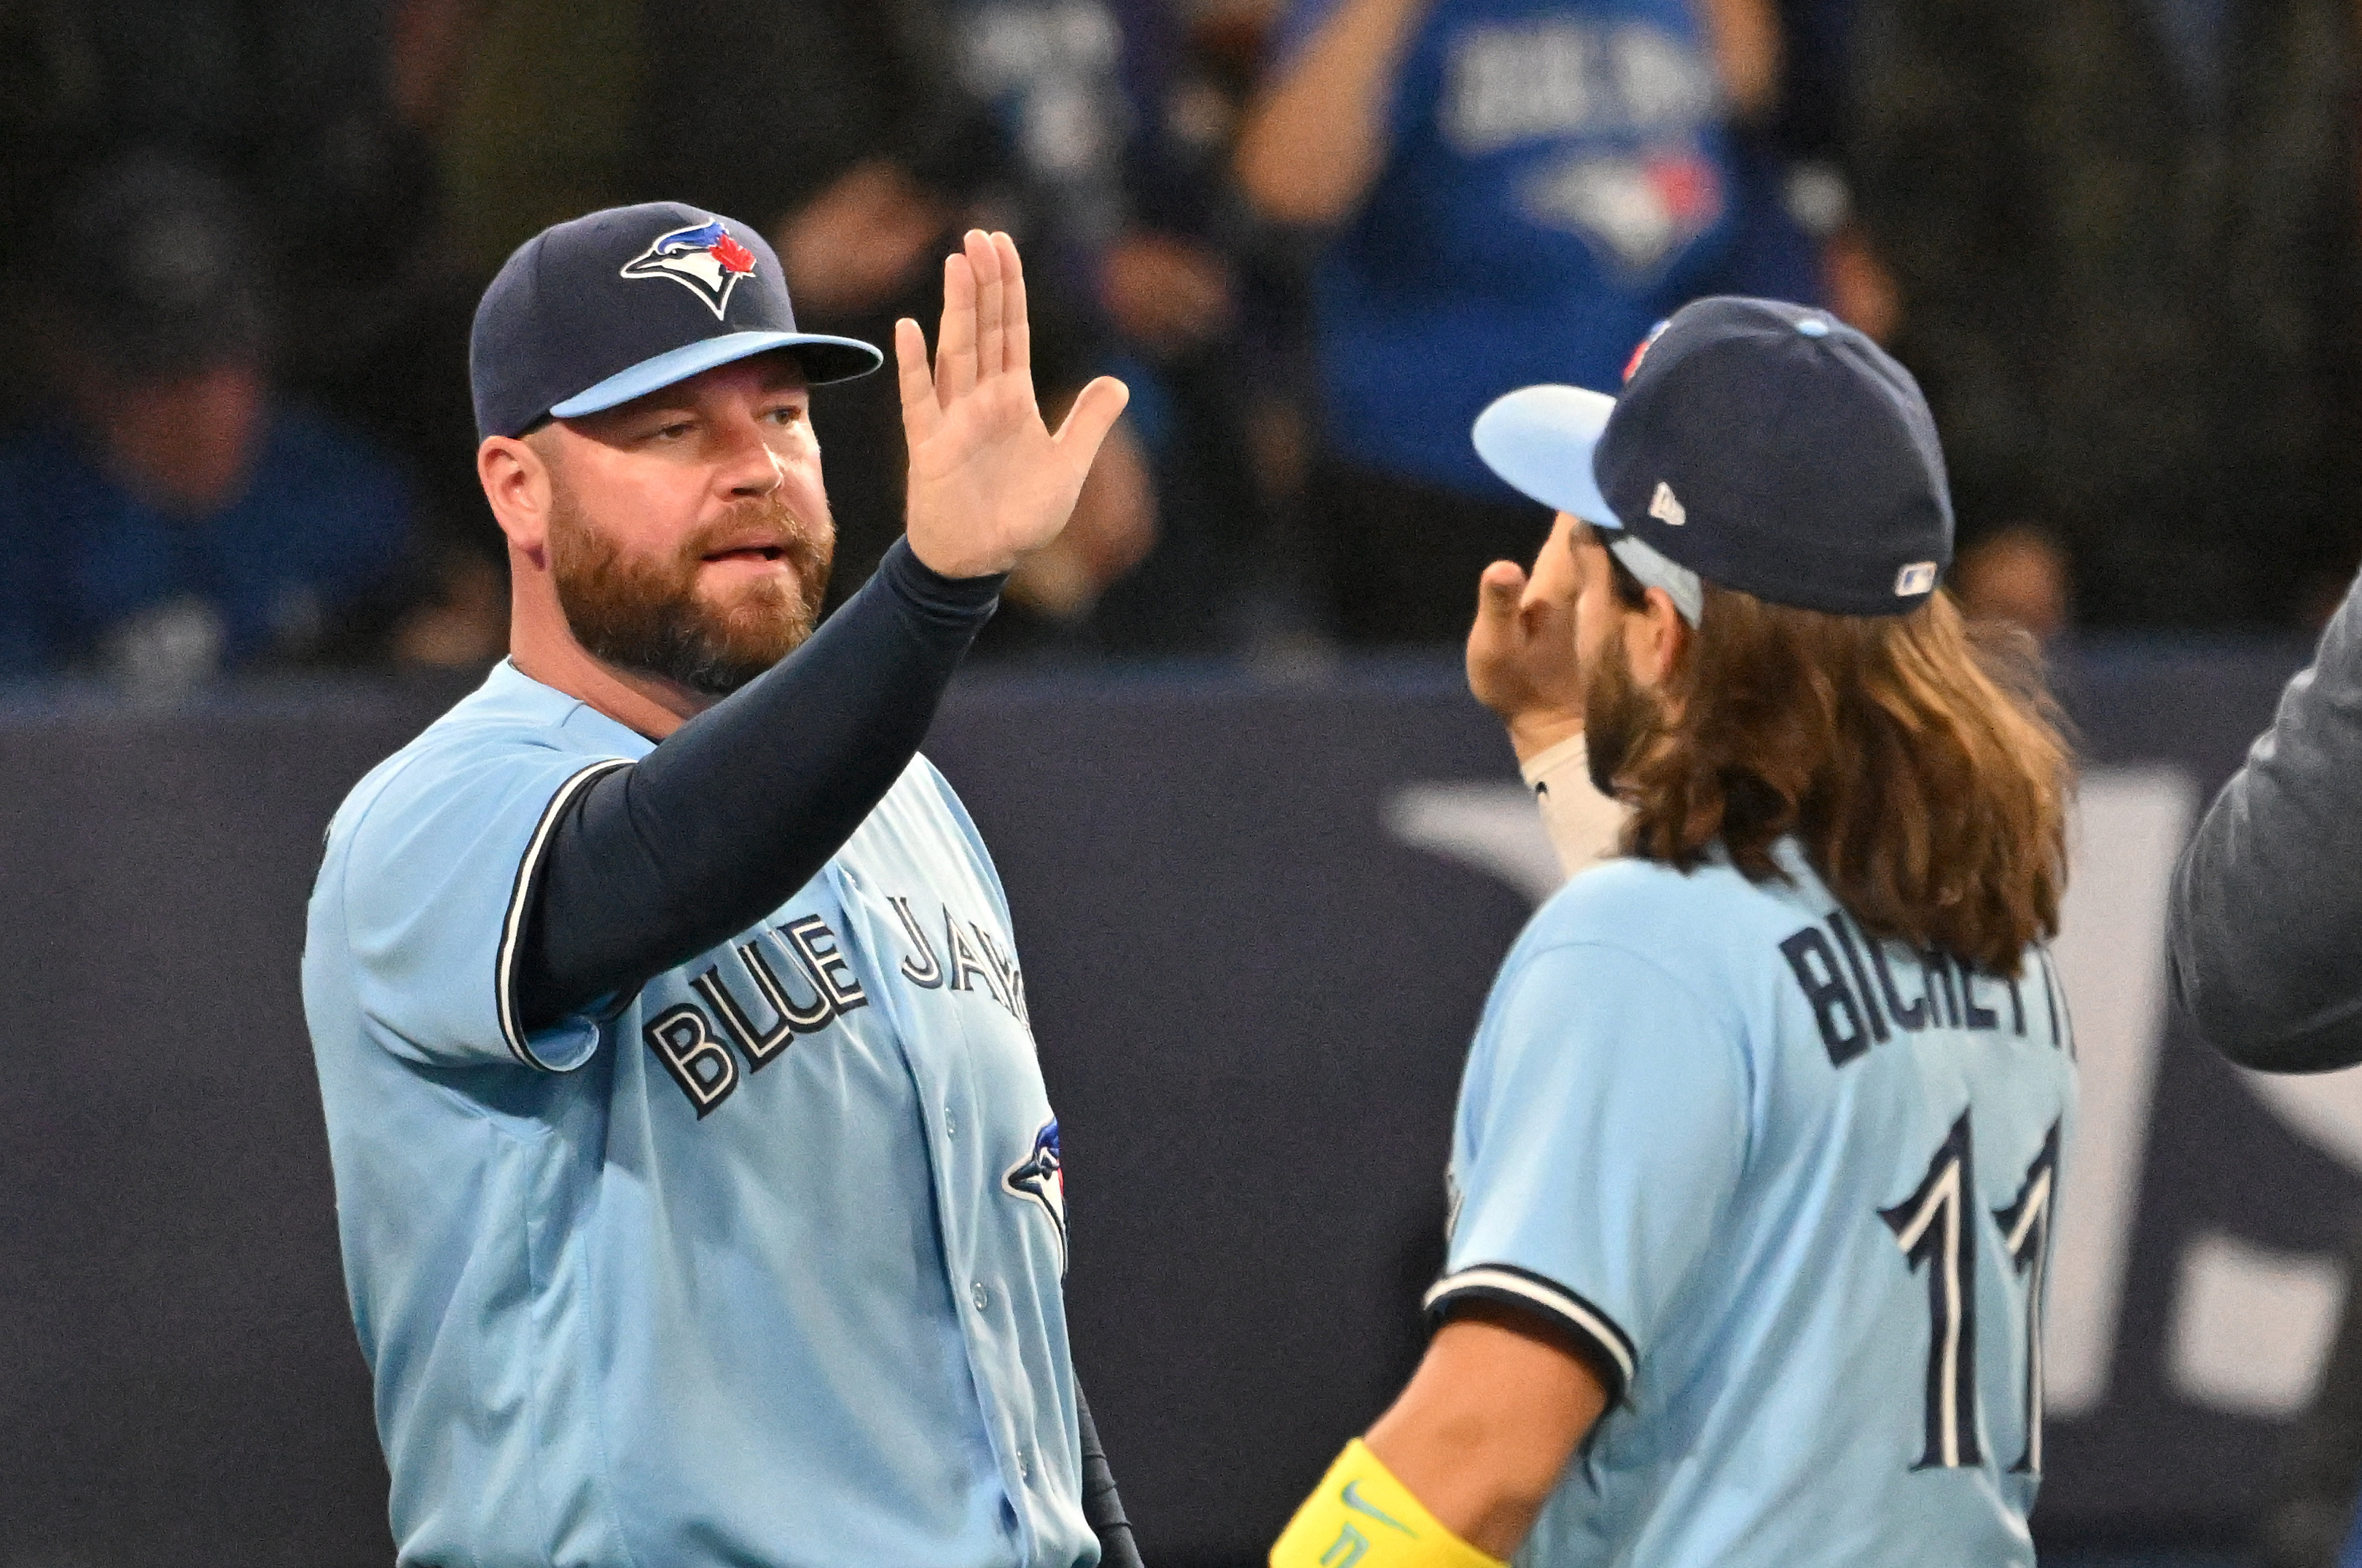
(1792, 1188)
(760, 1264)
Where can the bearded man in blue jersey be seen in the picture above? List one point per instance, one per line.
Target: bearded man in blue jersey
(1753, 1173)
(698, 1191)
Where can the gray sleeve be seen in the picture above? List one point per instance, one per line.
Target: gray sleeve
(2266, 919)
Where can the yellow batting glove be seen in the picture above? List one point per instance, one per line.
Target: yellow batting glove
(1361, 1516)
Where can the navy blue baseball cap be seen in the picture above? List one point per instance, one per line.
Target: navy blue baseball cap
(614, 305)
(1764, 446)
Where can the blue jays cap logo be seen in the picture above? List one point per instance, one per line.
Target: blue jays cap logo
(1632, 366)
(1040, 1176)
(706, 260)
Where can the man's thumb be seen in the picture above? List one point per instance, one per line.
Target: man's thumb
(1093, 416)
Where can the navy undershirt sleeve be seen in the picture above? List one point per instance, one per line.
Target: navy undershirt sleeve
(653, 864)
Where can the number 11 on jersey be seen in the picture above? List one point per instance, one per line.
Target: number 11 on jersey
(1937, 1229)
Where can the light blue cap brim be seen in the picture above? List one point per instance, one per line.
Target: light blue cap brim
(1540, 440)
(691, 359)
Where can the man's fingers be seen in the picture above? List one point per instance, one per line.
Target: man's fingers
(919, 410)
(1493, 640)
(1017, 332)
(1499, 591)
(984, 260)
(1093, 416)
(956, 341)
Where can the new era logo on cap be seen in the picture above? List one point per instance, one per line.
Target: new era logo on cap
(1919, 577)
(1666, 507)
(704, 259)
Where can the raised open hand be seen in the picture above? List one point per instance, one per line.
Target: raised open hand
(988, 481)
(1521, 653)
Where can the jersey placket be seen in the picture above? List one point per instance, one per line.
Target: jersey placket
(933, 1041)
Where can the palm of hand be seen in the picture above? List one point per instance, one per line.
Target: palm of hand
(992, 458)
(988, 481)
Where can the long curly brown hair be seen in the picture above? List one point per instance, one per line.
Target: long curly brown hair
(1919, 762)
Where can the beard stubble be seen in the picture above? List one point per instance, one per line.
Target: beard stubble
(645, 614)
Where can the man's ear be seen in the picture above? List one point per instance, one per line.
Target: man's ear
(1656, 638)
(516, 480)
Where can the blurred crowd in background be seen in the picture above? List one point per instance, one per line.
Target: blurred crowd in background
(2119, 241)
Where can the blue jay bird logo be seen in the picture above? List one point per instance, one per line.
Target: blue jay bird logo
(707, 260)
(1042, 1178)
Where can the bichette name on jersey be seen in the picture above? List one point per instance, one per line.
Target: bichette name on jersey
(1790, 1189)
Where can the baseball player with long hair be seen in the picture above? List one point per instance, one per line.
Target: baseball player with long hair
(1757, 1152)
(700, 1194)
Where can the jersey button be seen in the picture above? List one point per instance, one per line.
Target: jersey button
(1025, 1464)
(951, 1124)
(980, 1295)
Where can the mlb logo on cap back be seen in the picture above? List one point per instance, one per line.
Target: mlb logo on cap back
(589, 314)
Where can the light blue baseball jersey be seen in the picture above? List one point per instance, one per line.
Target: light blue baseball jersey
(1794, 1189)
(758, 1265)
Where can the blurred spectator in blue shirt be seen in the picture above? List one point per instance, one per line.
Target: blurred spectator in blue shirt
(1516, 190)
(315, 113)
(168, 517)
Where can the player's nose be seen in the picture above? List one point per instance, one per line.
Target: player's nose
(748, 465)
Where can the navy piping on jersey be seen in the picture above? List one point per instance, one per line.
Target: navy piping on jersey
(1532, 1292)
(529, 884)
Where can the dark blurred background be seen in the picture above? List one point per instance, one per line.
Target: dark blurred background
(242, 555)
(2116, 240)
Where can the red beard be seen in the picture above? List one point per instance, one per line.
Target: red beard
(647, 613)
